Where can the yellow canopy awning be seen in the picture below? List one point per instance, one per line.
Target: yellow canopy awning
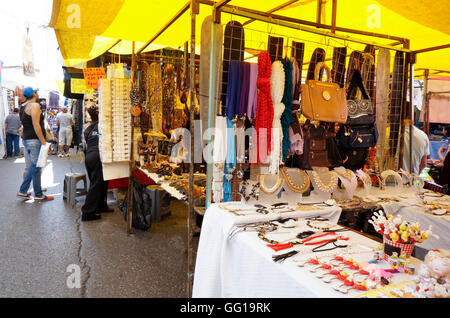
(86, 28)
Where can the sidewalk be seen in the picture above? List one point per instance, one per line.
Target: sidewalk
(38, 241)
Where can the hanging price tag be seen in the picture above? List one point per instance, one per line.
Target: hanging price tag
(92, 75)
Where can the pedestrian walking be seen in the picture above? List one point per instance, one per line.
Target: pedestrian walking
(33, 137)
(12, 132)
(65, 122)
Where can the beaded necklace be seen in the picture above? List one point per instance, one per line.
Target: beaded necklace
(290, 183)
(328, 187)
(272, 190)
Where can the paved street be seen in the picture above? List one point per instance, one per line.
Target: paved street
(38, 241)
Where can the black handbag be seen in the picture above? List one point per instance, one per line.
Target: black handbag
(360, 111)
(358, 136)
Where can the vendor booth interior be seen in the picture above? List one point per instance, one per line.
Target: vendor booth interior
(287, 125)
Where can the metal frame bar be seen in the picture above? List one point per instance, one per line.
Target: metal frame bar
(434, 48)
(281, 6)
(234, 9)
(298, 25)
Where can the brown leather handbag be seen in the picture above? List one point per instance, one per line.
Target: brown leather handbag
(324, 101)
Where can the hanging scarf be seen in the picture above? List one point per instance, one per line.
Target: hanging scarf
(245, 83)
(276, 91)
(264, 107)
(295, 131)
(230, 161)
(233, 89)
(252, 91)
(286, 118)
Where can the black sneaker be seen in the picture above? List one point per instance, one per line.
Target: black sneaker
(90, 217)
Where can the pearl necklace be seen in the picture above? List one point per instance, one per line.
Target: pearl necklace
(364, 177)
(328, 187)
(290, 183)
(272, 190)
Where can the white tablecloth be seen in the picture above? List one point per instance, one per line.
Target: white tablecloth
(242, 265)
(409, 208)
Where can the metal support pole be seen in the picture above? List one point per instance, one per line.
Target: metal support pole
(211, 108)
(425, 103)
(191, 212)
(411, 98)
(131, 163)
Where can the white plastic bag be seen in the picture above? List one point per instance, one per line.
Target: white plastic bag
(43, 155)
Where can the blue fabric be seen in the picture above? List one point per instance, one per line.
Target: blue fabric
(245, 84)
(286, 117)
(32, 147)
(233, 89)
(12, 145)
(230, 160)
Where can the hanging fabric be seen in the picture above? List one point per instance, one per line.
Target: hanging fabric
(230, 162)
(243, 96)
(277, 88)
(252, 91)
(219, 155)
(264, 108)
(233, 89)
(295, 131)
(286, 118)
(354, 63)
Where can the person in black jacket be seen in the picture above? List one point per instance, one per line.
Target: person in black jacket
(98, 188)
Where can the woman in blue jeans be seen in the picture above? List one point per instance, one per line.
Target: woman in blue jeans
(33, 137)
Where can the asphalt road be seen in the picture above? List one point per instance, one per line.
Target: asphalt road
(43, 244)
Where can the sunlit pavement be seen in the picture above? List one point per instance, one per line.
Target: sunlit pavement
(40, 240)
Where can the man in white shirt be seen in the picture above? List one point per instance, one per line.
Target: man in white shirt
(420, 150)
(65, 122)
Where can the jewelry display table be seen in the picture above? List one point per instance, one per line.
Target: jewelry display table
(414, 206)
(239, 264)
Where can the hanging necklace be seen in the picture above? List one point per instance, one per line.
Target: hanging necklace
(272, 190)
(290, 183)
(325, 187)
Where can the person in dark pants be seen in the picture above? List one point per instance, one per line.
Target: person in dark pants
(12, 132)
(98, 188)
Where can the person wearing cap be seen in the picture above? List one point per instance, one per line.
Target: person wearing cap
(65, 122)
(12, 132)
(33, 135)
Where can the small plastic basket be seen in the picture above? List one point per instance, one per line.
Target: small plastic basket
(400, 248)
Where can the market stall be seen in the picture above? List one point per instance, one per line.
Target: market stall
(306, 117)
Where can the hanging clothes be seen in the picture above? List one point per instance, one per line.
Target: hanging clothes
(219, 155)
(277, 82)
(230, 162)
(295, 131)
(286, 118)
(155, 103)
(233, 89)
(245, 83)
(252, 91)
(264, 108)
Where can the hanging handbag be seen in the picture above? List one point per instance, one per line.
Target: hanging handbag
(323, 101)
(360, 111)
(358, 136)
(315, 151)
